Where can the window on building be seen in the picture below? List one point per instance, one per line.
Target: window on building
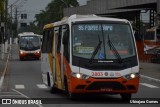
(24, 16)
(23, 24)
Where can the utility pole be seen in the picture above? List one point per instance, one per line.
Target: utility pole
(6, 20)
(11, 30)
(16, 22)
(6, 38)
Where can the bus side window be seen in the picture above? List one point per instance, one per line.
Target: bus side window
(59, 40)
(66, 44)
(44, 42)
(50, 41)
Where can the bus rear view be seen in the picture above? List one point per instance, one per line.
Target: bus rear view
(29, 46)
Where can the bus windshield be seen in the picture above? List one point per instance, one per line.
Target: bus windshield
(86, 38)
(29, 42)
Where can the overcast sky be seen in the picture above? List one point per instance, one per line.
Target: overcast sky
(32, 7)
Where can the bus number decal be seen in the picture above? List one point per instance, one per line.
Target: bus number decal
(97, 73)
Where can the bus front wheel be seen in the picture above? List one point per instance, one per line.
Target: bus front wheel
(21, 59)
(72, 96)
(126, 96)
(54, 90)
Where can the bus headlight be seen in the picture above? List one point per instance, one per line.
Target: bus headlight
(37, 52)
(21, 52)
(131, 76)
(80, 75)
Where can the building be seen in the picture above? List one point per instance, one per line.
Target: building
(26, 10)
(128, 9)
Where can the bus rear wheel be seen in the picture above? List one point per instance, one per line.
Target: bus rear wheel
(126, 96)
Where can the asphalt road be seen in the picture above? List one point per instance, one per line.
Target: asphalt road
(23, 80)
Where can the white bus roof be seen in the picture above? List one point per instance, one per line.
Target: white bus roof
(27, 33)
(93, 17)
(78, 18)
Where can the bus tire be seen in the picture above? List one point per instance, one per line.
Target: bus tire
(21, 59)
(66, 84)
(72, 96)
(54, 90)
(126, 97)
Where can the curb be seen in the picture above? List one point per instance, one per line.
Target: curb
(5, 70)
(150, 78)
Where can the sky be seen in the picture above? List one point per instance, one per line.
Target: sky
(32, 7)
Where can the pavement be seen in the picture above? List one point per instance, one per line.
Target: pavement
(150, 71)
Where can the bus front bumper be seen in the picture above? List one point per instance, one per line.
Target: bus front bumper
(29, 55)
(99, 85)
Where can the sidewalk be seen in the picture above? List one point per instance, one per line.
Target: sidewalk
(150, 70)
(2, 61)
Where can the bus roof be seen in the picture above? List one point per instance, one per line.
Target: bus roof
(92, 17)
(76, 17)
(48, 26)
(27, 33)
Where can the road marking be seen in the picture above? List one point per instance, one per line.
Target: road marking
(10, 95)
(25, 96)
(42, 86)
(7, 92)
(19, 86)
(150, 78)
(148, 85)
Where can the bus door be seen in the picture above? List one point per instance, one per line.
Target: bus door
(65, 53)
(58, 35)
(46, 58)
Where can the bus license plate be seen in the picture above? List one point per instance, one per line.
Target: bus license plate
(106, 89)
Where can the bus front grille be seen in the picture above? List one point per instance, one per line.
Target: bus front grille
(99, 85)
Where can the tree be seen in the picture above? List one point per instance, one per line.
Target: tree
(41, 19)
(30, 28)
(54, 11)
(57, 6)
(1, 18)
(1, 7)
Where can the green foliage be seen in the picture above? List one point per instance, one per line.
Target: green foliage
(2, 7)
(54, 11)
(30, 28)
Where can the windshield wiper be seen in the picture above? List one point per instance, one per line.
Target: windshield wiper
(114, 50)
(32, 44)
(96, 50)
